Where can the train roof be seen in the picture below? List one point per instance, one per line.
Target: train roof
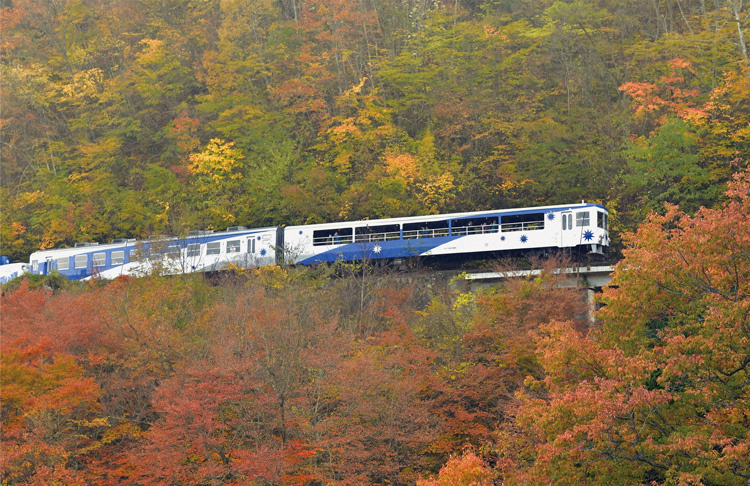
(131, 242)
(444, 216)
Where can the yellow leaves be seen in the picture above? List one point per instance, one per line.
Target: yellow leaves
(101, 149)
(273, 277)
(152, 52)
(28, 198)
(219, 162)
(342, 161)
(90, 424)
(355, 90)
(346, 210)
(510, 185)
(490, 31)
(437, 192)
(418, 172)
(125, 429)
(403, 166)
(464, 300)
(162, 218)
(85, 84)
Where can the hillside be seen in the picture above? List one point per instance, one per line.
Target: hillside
(138, 117)
(129, 118)
(347, 375)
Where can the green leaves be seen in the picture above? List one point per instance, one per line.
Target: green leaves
(666, 167)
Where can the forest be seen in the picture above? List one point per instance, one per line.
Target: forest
(351, 375)
(130, 118)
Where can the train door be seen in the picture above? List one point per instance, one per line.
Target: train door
(568, 235)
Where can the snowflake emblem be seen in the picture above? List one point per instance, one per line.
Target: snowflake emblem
(551, 216)
(588, 235)
(524, 238)
(377, 249)
(263, 252)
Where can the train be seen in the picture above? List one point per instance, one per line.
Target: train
(581, 228)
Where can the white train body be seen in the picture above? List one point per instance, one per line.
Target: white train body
(583, 228)
(12, 270)
(198, 252)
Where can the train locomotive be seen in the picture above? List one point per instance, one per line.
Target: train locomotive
(579, 228)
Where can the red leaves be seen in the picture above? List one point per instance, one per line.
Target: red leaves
(659, 389)
(380, 423)
(50, 416)
(210, 431)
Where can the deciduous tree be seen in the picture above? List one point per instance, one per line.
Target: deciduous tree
(659, 392)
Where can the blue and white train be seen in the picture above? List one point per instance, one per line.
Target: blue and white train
(581, 228)
(10, 270)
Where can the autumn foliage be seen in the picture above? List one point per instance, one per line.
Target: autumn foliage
(144, 117)
(291, 377)
(659, 392)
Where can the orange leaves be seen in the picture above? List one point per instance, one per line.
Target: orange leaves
(402, 165)
(667, 96)
(48, 408)
(659, 388)
(639, 91)
(465, 470)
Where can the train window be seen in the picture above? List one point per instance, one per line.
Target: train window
(81, 261)
(251, 245)
(602, 220)
(333, 236)
(117, 257)
(194, 250)
(582, 219)
(377, 233)
(213, 248)
(465, 227)
(233, 246)
(63, 263)
(100, 259)
(173, 251)
(430, 229)
(522, 222)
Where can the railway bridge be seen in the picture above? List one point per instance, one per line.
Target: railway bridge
(589, 277)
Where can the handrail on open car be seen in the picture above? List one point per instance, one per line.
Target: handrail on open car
(525, 226)
(387, 236)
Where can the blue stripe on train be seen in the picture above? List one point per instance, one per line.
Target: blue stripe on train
(374, 250)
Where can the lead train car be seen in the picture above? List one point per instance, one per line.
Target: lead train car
(581, 228)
